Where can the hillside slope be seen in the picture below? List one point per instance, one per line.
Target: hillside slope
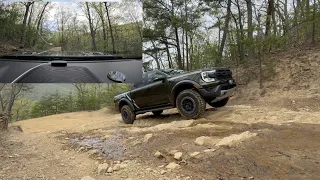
(294, 84)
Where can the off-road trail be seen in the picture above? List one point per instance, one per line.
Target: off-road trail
(233, 142)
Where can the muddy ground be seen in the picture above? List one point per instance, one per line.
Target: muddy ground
(241, 142)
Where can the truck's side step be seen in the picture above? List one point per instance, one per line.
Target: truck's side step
(154, 109)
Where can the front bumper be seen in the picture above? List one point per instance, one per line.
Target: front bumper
(216, 94)
(225, 94)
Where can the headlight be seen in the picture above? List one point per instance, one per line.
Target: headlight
(207, 76)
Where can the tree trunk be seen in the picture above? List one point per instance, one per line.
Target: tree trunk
(274, 22)
(176, 33)
(4, 121)
(260, 70)
(28, 37)
(219, 32)
(99, 10)
(24, 24)
(38, 24)
(241, 38)
(187, 51)
(295, 20)
(179, 60)
(285, 11)
(110, 28)
(104, 34)
(191, 53)
(307, 27)
(169, 56)
(225, 32)
(250, 28)
(269, 14)
(62, 32)
(314, 23)
(237, 36)
(94, 47)
(183, 49)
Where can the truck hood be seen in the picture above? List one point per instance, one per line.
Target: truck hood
(192, 73)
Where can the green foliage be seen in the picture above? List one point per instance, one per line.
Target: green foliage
(207, 56)
(93, 97)
(9, 18)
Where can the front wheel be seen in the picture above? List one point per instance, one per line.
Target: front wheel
(220, 103)
(128, 116)
(190, 104)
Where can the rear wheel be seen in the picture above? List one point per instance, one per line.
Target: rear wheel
(157, 113)
(220, 103)
(190, 104)
(128, 116)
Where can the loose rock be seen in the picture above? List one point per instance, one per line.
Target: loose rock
(172, 152)
(92, 152)
(88, 178)
(107, 136)
(178, 155)
(194, 154)
(149, 169)
(102, 168)
(235, 138)
(208, 150)
(147, 137)
(81, 149)
(123, 166)
(116, 167)
(205, 141)
(110, 170)
(158, 154)
(173, 165)
(163, 172)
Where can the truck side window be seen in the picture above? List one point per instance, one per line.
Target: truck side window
(153, 76)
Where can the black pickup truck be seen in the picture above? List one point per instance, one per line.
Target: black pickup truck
(169, 88)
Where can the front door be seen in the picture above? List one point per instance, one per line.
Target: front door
(153, 92)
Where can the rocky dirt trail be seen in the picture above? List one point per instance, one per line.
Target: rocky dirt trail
(234, 142)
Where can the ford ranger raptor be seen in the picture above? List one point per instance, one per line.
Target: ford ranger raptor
(170, 88)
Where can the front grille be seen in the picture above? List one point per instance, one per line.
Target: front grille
(223, 74)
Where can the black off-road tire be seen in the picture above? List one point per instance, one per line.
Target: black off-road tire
(220, 103)
(128, 116)
(157, 113)
(190, 104)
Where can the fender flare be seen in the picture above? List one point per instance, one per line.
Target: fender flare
(179, 84)
(126, 101)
